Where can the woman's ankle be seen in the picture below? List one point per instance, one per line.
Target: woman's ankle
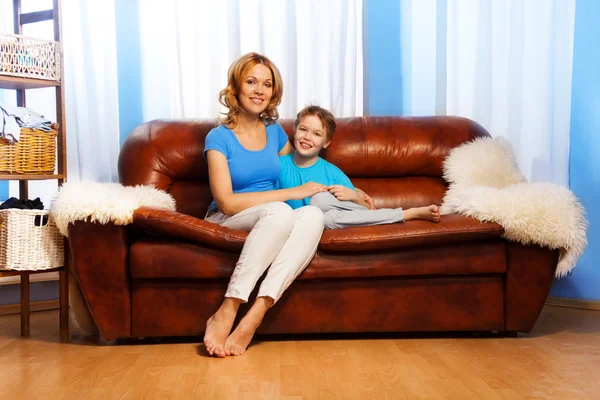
(230, 306)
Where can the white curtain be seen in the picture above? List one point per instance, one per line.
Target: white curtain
(188, 45)
(509, 68)
(91, 92)
(91, 89)
(504, 64)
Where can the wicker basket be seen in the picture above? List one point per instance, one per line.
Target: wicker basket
(34, 153)
(29, 57)
(29, 240)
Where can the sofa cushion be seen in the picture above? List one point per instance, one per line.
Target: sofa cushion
(156, 258)
(162, 259)
(488, 257)
(451, 229)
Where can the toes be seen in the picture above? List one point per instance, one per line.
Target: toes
(228, 350)
(209, 346)
(220, 352)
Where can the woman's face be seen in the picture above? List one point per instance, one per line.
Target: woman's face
(256, 90)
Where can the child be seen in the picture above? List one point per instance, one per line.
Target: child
(343, 206)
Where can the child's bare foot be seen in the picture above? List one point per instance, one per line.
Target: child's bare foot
(241, 337)
(217, 329)
(430, 213)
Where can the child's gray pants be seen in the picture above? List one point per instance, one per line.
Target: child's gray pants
(346, 214)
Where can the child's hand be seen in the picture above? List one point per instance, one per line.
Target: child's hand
(366, 198)
(343, 193)
(307, 190)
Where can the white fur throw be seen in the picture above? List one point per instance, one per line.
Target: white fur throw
(486, 184)
(104, 202)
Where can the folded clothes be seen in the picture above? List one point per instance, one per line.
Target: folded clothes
(13, 202)
(15, 118)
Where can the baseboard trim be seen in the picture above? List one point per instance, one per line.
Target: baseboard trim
(33, 306)
(573, 303)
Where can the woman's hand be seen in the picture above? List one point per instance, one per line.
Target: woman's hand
(366, 198)
(307, 190)
(343, 193)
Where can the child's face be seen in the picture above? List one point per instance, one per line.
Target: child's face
(310, 137)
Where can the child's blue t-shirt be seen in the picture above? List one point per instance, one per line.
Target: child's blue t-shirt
(250, 170)
(322, 172)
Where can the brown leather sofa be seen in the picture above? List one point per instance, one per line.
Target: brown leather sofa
(166, 273)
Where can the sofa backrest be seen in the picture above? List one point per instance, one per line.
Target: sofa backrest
(396, 160)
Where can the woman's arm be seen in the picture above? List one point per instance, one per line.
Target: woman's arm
(230, 203)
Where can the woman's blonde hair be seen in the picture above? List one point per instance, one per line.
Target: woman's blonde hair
(235, 76)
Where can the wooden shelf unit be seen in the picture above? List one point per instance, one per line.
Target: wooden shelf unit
(27, 177)
(21, 84)
(18, 83)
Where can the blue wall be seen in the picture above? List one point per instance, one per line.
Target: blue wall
(129, 66)
(3, 184)
(39, 291)
(584, 163)
(3, 190)
(405, 40)
(384, 63)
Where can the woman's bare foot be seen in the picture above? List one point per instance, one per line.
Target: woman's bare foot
(430, 213)
(241, 337)
(219, 326)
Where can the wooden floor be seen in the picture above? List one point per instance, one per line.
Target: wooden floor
(560, 359)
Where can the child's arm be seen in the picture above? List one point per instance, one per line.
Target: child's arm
(344, 193)
(370, 204)
(343, 190)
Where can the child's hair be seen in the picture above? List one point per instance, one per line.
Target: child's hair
(326, 118)
(235, 76)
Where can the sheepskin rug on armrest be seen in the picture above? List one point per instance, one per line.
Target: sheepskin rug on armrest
(104, 203)
(486, 184)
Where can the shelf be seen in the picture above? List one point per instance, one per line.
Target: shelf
(9, 272)
(15, 82)
(24, 177)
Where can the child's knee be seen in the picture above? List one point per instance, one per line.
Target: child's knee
(322, 200)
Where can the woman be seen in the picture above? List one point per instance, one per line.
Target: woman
(243, 166)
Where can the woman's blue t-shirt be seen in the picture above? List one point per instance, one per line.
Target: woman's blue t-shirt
(250, 170)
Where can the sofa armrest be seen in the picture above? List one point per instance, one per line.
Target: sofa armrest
(165, 223)
(529, 276)
(101, 261)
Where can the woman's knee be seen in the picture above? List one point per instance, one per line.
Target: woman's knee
(281, 215)
(312, 216)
